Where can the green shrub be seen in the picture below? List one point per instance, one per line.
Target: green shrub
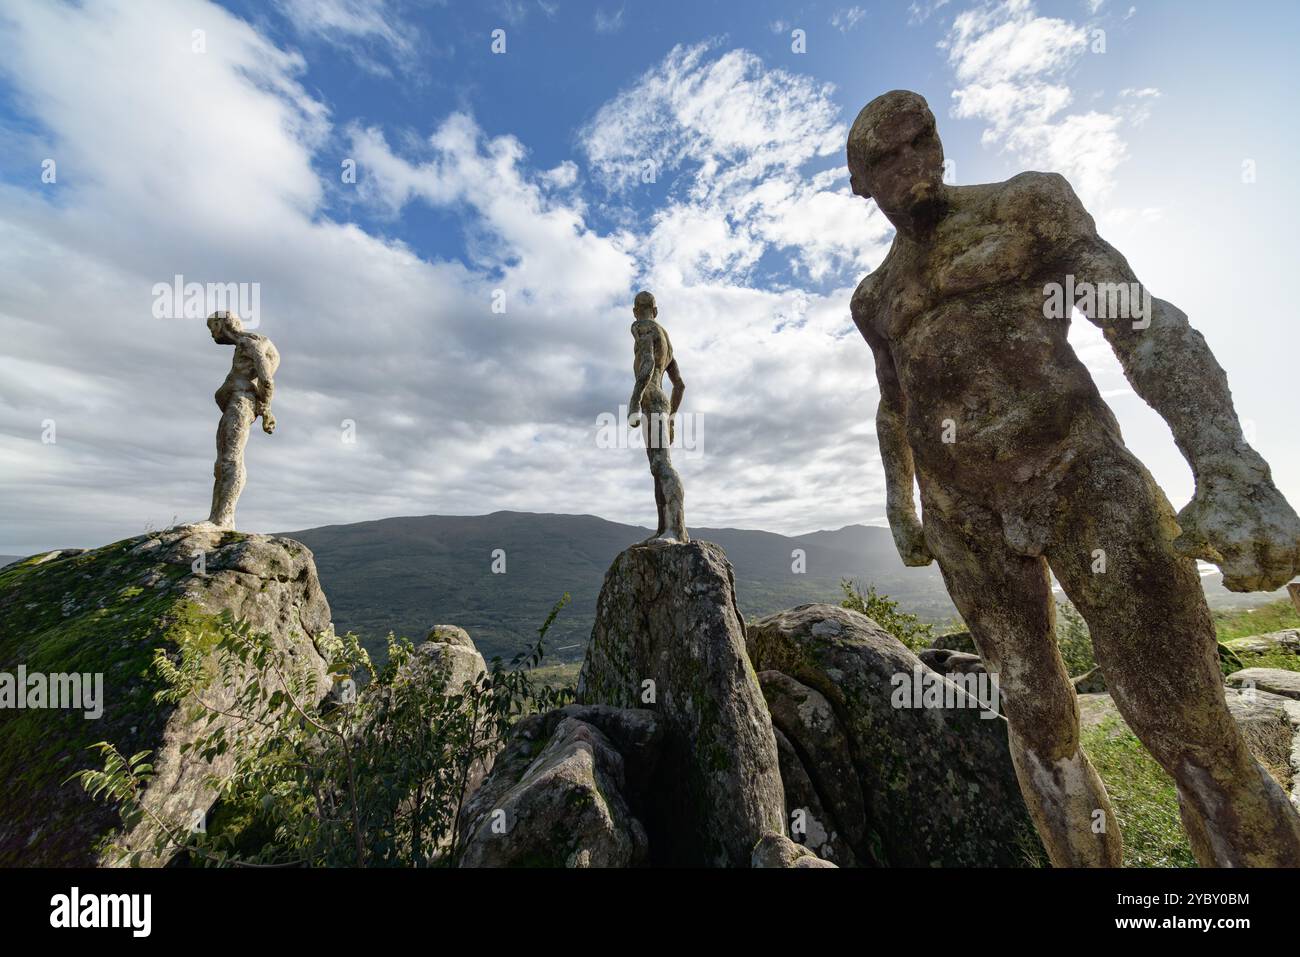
(883, 610)
(375, 779)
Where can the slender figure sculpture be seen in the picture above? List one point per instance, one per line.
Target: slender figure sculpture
(649, 407)
(1022, 468)
(243, 398)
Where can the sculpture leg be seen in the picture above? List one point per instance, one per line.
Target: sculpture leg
(667, 483)
(1006, 600)
(229, 473)
(1154, 639)
(659, 495)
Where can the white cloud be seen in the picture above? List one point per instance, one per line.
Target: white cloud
(734, 137)
(607, 22)
(365, 28)
(922, 10)
(846, 18)
(1012, 67)
(457, 409)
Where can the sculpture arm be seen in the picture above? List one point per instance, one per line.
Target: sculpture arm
(264, 366)
(1237, 519)
(679, 386)
(896, 456)
(644, 363)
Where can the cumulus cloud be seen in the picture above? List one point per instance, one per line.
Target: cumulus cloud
(455, 407)
(738, 138)
(1012, 65)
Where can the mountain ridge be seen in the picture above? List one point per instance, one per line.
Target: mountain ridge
(407, 573)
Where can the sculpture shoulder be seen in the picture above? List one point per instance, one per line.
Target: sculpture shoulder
(1045, 200)
(253, 345)
(646, 327)
(866, 299)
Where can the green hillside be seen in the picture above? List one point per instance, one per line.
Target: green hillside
(406, 574)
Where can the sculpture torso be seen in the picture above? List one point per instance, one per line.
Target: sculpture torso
(653, 399)
(962, 315)
(242, 380)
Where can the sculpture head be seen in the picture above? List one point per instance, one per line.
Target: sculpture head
(895, 158)
(643, 306)
(225, 328)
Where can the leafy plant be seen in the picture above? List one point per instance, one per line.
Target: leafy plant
(370, 779)
(884, 611)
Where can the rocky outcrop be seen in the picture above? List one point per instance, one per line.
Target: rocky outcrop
(670, 638)
(961, 641)
(952, 662)
(103, 612)
(1286, 641)
(811, 742)
(777, 850)
(562, 792)
(1273, 680)
(937, 783)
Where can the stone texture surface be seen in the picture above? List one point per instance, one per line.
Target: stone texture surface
(1273, 680)
(777, 850)
(105, 610)
(807, 819)
(816, 741)
(938, 783)
(956, 641)
(667, 614)
(952, 662)
(1286, 640)
(561, 792)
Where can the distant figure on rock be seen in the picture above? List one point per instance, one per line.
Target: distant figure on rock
(649, 407)
(242, 398)
(1022, 469)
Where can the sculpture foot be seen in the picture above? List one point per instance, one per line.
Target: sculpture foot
(668, 538)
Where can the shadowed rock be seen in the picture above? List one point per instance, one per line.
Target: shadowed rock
(938, 783)
(561, 793)
(669, 637)
(777, 850)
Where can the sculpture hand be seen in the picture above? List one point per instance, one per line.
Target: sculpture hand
(268, 422)
(909, 537)
(1246, 528)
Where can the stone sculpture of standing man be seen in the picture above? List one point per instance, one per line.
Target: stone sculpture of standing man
(243, 398)
(1022, 469)
(649, 407)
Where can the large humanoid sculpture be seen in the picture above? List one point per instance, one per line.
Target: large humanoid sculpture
(242, 398)
(1022, 468)
(652, 358)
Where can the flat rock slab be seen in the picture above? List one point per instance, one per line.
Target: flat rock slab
(1273, 680)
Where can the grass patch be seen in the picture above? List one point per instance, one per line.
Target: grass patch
(1143, 796)
(1243, 622)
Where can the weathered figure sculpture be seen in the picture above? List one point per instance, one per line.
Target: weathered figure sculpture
(649, 407)
(243, 397)
(1022, 468)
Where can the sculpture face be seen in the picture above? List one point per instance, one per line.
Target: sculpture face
(224, 326)
(896, 158)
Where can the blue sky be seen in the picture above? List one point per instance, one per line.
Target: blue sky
(520, 172)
